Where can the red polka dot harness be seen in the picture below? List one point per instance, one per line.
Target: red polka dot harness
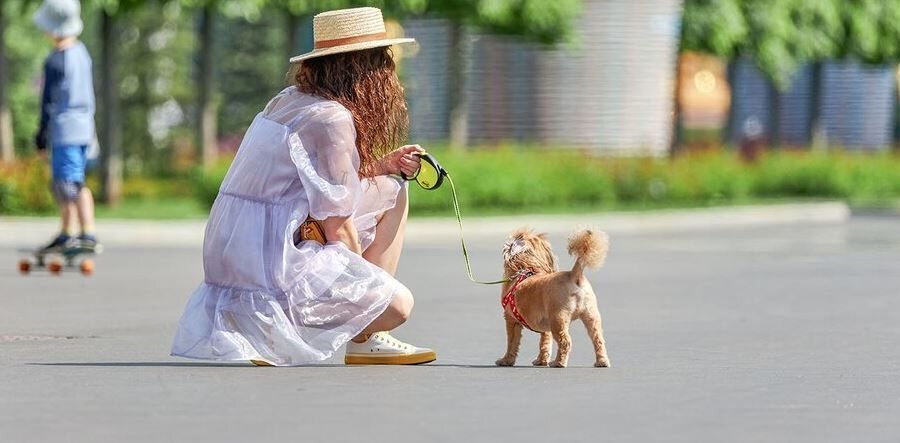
(509, 299)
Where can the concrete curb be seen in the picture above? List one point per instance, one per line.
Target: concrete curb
(28, 232)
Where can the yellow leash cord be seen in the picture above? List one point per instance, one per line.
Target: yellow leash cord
(462, 238)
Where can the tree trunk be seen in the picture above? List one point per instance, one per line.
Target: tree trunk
(731, 134)
(206, 108)
(292, 34)
(7, 151)
(460, 57)
(817, 137)
(774, 126)
(897, 118)
(111, 131)
(677, 121)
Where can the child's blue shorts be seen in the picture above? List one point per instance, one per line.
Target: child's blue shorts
(68, 163)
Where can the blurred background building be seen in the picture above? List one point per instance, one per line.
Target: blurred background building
(609, 91)
(856, 104)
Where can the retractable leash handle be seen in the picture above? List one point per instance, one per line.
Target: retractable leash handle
(430, 176)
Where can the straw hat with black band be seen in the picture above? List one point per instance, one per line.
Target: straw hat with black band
(347, 30)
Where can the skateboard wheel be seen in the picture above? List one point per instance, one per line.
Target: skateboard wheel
(24, 267)
(55, 267)
(87, 267)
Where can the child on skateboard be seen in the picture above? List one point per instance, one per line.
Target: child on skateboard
(67, 121)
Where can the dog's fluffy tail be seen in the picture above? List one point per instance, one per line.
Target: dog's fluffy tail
(589, 247)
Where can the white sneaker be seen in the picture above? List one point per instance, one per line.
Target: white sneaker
(383, 349)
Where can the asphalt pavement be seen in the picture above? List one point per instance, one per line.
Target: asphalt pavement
(758, 333)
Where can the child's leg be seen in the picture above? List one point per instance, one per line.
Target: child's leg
(66, 194)
(68, 211)
(85, 206)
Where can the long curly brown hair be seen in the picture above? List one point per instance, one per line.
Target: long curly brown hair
(364, 82)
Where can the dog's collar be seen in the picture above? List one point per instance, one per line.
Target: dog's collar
(510, 298)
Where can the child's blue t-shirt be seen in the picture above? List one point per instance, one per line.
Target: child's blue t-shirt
(67, 105)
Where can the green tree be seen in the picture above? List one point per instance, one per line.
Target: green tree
(154, 87)
(208, 10)
(110, 133)
(786, 34)
(22, 59)
(255, 51)
(777, 35)
(871, 30)
(7, 150)
(17, 66)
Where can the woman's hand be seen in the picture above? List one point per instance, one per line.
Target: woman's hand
(402, 160)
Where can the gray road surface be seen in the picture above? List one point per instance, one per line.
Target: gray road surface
(787, 333)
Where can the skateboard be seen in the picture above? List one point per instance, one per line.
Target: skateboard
(55, 261)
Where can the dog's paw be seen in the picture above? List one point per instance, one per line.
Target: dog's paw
(505, 362)
(557, 364)
(540, 362)
(602, 363)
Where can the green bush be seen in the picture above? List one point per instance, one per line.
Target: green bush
(525, 180)
(149, 188)
(874, 178)
(509, 180)
(205, 183)
(25, 188)
(800, 174)
(514, 179)
(708, 179)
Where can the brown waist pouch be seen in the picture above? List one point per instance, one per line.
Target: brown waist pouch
(311, 229)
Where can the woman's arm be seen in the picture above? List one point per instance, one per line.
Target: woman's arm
(342, 229)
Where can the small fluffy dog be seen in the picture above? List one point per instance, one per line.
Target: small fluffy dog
(545, 300)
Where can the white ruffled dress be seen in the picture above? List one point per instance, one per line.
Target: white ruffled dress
(263, 297)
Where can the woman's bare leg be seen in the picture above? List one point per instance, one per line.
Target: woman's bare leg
(385, 250)
(395, 315)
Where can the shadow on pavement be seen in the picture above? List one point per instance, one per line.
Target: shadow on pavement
(178, 364)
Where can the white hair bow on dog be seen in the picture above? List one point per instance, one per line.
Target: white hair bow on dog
(513, 248)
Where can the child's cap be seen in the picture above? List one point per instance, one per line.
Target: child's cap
(60, 18)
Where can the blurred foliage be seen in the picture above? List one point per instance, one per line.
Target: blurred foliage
(25, 188)
(515, 179)
(256, 51)
(205, 182)
(157, 62)
(154, 95)
(781, 35)
(539, 20)
(25, 59)
(713, 26)
(872, 30)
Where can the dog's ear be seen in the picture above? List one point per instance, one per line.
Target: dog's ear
(546, 252)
